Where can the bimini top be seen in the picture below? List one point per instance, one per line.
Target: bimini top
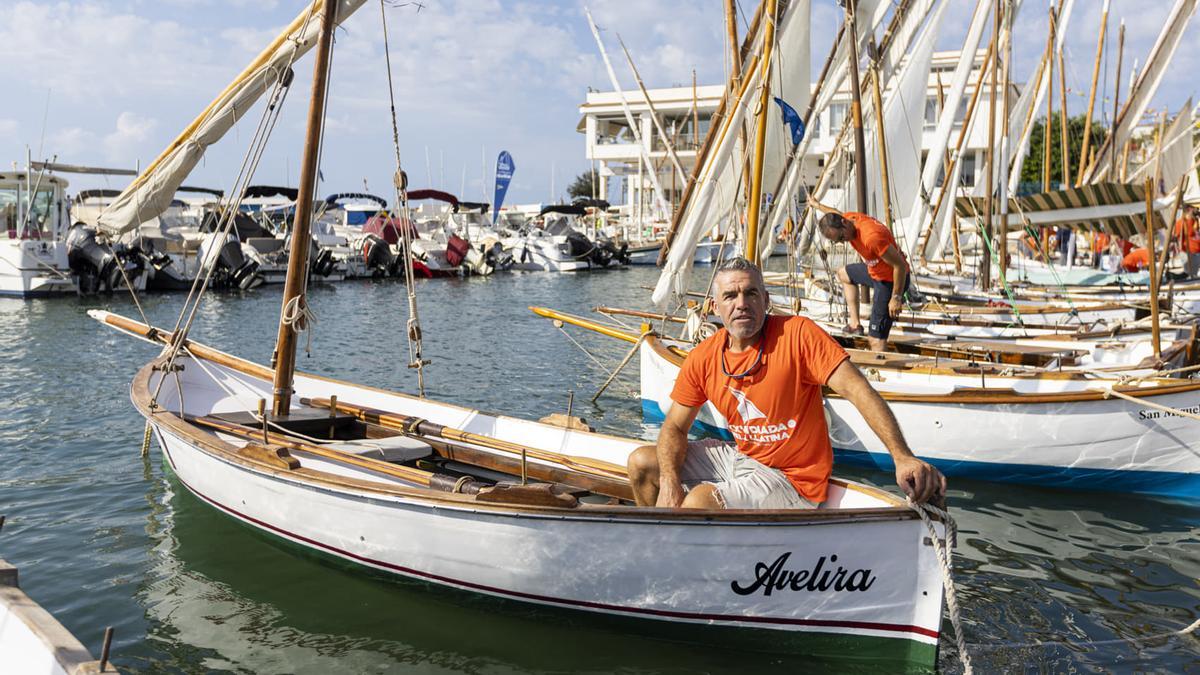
(415, 195)
(568, 209)
(333, 199)
(253, 191)
(481, 207)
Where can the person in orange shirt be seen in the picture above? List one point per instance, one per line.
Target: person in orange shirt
(1138, 259)
(883, 268)
(764, 374)
(1186, 237)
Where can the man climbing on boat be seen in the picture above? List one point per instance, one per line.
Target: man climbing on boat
(884, 269)
(764, 374)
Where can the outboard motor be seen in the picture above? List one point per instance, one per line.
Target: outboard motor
(377, 255)
(496, 257)
(233, 269)
(613, 253)
(322, 261)
(579, 246)
(96, 267)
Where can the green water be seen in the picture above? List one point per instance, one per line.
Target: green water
(1048, 580)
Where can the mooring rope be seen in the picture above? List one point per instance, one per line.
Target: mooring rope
(943, 549)
(1186, 630)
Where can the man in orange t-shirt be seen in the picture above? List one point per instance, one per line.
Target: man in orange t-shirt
(1138, 259)
(883, 268)
(1187, 239)
(765, 375)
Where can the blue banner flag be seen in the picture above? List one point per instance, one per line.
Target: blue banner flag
(504, 173)
(792, 119)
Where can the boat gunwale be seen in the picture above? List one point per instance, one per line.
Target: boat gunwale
(212, 445)
(978, 395)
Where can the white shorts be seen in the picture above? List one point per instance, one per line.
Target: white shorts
(741, 482)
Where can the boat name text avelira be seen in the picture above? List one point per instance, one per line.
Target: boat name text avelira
(776, 577)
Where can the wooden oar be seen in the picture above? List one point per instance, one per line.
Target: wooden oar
(418, 476)
(416, 426)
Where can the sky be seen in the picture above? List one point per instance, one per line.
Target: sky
(112, 82)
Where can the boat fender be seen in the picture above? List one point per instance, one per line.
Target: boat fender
(463, 485)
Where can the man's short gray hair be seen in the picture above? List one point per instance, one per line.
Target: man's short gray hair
(740, 264)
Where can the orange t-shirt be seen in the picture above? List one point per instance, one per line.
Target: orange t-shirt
(1136, 260)
(775, 412)
(871, 240)
(1187, 234)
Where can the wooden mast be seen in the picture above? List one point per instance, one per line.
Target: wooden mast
(735, 54)
(702, 153)
(860, 156)
(985, 261)
(1048, 127)
(1064, 144)
(881, 141)
(1112, 134)
(1087, 120)
(1154, 324)
(760, 136)
(1006, 80)
(294, 302)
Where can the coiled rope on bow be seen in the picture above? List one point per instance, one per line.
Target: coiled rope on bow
(943, 549)
(297, 315)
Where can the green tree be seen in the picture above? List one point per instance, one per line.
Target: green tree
(1031, 170)
(585, 185)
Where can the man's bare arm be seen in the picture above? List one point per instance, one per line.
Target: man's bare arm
(671, 451)
(893, 257)
(917, 478)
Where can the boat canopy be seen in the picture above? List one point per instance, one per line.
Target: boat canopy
(415, 195)
(333, 199)
(1115, 208)
(253, 191)
(568, 209)
(591, 203)
(481, 207)
(98, 193)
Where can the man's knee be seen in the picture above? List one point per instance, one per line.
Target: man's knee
(843, 276)
(643, 462)
(703, 496)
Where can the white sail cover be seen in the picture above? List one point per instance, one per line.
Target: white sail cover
(920, 211)
(904, 125)
(1031, 100)
(1173, 158)
(715, 196)
(150, 193)
(1145, 87)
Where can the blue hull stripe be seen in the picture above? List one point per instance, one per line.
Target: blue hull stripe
(1162, 483)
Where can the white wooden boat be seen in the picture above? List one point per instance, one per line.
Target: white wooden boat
(32, 641)
(856, 576)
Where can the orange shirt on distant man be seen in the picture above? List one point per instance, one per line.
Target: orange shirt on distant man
(1187, 235)
(871, 240)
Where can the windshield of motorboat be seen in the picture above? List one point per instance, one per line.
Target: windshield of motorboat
(558, 224)
(11, 212)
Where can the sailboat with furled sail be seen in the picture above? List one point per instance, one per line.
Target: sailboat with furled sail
(533, 512)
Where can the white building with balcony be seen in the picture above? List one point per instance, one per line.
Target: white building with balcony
(611, 144)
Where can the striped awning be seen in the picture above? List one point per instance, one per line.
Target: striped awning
(1115, 208)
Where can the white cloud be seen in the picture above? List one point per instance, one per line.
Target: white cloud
(131, 134)
(9, 128)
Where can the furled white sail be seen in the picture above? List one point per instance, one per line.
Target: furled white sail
(1173, 158)
(1144, 87)
(904, 125)
(716, 197)
(1031, 100)
(921, 208)
(150, 193)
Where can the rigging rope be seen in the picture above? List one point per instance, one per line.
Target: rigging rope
(415, 358)
(943, 549)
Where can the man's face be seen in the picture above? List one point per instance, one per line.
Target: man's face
(741, 302)
(836, 234)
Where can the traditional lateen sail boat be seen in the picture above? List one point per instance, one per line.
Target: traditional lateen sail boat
(528, 511)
